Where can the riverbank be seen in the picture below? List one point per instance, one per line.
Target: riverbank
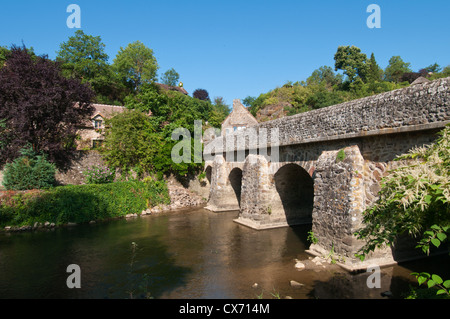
(81, 204)
(180, 197)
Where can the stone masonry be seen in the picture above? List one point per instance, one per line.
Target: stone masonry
(329, 166)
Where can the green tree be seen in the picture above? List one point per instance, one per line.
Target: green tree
(136, 65)
(322, 97)
(446, 71)
(248, 101)
(324, 75)
(83, 56)
(396, 68)
(219, 112)
(131, 142)
(374, 72)
(170, 77)
(29, 171)
(442, 74)
(433, 68)
(352, 61)
(4, 53)
(109, 88)
(170, 110)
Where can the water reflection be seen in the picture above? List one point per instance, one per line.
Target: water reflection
(186, 254)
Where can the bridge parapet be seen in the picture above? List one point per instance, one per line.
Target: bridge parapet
(414, 108)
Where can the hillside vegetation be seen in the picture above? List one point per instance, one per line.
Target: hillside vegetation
(353, 76)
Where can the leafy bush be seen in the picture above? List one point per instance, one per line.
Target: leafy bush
(82, 203)
(30, 171)
(131, 142)
(99, 174)
(136, 141)
(414, 199)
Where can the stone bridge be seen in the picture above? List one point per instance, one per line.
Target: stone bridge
(324, 167)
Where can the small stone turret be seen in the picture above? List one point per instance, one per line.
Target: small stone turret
(239, 119)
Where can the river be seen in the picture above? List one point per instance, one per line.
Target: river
(189, 254)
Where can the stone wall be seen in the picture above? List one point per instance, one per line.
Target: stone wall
(256, 210)
(418, 107)
(83, 161)
(87, 136)
(74, 175)
(222, 195)
(339, 201)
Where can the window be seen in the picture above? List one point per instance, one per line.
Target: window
(98, 124)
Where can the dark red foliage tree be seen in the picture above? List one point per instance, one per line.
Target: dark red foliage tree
(410, 77)
(40, 107)
(201, 94)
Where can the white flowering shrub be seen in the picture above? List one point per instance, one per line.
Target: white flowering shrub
(414, 199)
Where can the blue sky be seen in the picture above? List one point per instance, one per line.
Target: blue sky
(233, 48)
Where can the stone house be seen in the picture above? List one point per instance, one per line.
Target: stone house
(91, 130)
(239, 119)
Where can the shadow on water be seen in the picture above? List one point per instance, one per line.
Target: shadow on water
(34, 265)
(301, 231)
(150, 270)
(396, 281)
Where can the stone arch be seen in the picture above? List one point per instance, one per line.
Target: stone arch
(295, 189)
(235, 180)
(208, 173)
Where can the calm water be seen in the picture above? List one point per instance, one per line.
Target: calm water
(189, 254)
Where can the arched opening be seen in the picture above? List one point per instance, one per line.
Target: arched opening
(296, 190)
(235, 179)
(208, 172)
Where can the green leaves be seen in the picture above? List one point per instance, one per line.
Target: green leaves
(83, 56)
(414, 200)
(441, 236)
(435, 236)
(421, 277)
(30, 171)
(99, 174)
(83, 203)
(433, 281)
(352, 61)
(136, 65)
(134, 140)
(170, 77)
(396, 68)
